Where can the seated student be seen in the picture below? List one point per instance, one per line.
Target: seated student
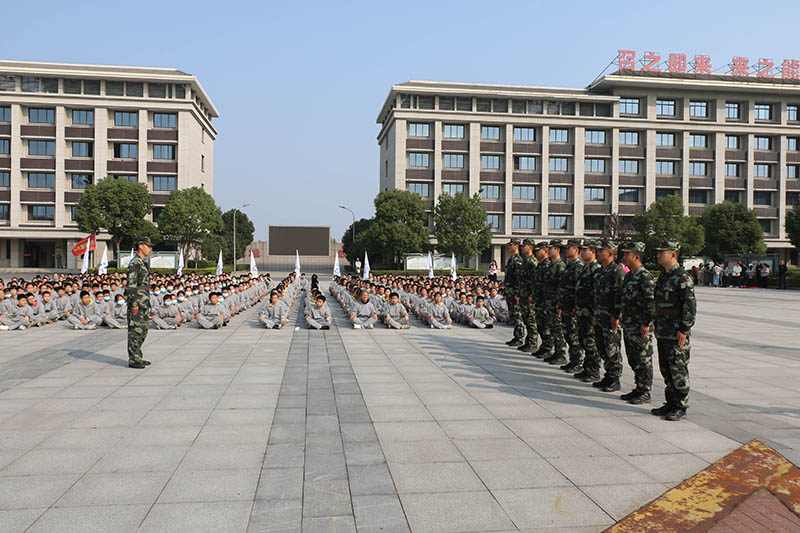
(364, 313)
(480, 315)
(39, 309)
(319, 316)
(211, 315)
(103, 306)
(169, 316)
(438, 315)
(119, 311)
(395, 314)
(223, 299)
(84, 314)
(273, 314)
(7, 302)
(186, 306)
(63, 302)
(19, 318)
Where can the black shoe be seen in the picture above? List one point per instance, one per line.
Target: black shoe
(146, 362)
(627, 396)
(602, 383)
(524, 347)
(641, 398)
(136, 364)
(574, 368)
(569, 367)
(325, 327)
(661, 411)
(515, 342)
(612, 387)
(512, 341)
(276, 326)
(580, 375)
(560, 360)
(590, 378)
(541, 352)
(675, 415)
(489, 326)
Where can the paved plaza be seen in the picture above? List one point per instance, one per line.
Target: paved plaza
(247, 429)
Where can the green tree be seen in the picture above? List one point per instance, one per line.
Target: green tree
(399, 226)
(189, 216)
(615, 228)
(117, 206)
(355, 250)
(731, 229)
(793, 223)
(244, 234)
(664, 220)
(460, 225)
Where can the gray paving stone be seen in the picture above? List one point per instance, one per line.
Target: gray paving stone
(100, 519)
(205, 517)
(29, 492)
(276, 515)
(455, 512)
(326, 497)
(210, 486)
(551, 507)
(329, 524)
(370, 479)
(375, 513)
(435, 477)
(280, 484)
(123, 488)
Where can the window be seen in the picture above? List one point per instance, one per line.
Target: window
(41, 212)
(628, 166)
(762, 143)
(134, 89)
(425, 102)
(535, 107)
(596, 165)
(698, 109)
(422, 189)
(91, 86)
(525, 134)
(698, 141)
(129, 177)
(113, 88)
(453, 131)
(663, 193)
(157, 212)
(586, 109)
(629, 195)
(594, 223)
(524, 222)
(630, 138)
(73, 212)
(732, 196)
(125, 150)
(419, 130)
(490, 133)
(5, 114)
(518, 106)
(83, 116)
(484, 105)
(163, 151)
(453, 160)
(463, 103)
(559, 135)
(36, 85)
(41, 180)
(558, 164)
(8, 83)
(698, 196)
(595, 194)
(499, 106)
(791, 113)
(553, 107)
(156, 90)
(732, 170)
(558, 222)
(72, 86)
(202, 163)
(447, 103)
(665, 108)
(82, 149)
(766, 225)
(5, 146)
(125, 118)
(490, 192)
(41, 148)
(697, 168)
(165, 120)
(792, 171)
(165, 183)
(80, 181)
(791, 144)
(665, 139)
(4, 215)
(762, 197)
(762, 111)
(5, 179)
(41, 116)
(628, 106)
(559, 193)
(792, 197)
(732, 142)
(595, 137)
(761, 170)
(665, 168)
(452, 188)
(526, 163)
(493, 221)
(524, 192)
(490, 162)
(418, 159)
(733, 110)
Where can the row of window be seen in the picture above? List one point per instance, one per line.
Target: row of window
(501, 105)
(32, 84)
(47, 180)
(86, 149)
(85, 117)
(701, 109)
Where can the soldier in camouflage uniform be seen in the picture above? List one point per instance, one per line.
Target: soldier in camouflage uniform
(539, 279)
(608, 309)
(137, 294)
(676, 308)
(584, 310)
(526, 303)
(511, 283)
(638, 312)
(557, 268)
(566, 305)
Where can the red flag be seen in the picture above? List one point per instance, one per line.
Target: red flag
(256, 254)
(80, 248)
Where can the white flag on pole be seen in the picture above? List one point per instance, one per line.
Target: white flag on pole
(132, 254)
(366, 266)
(453, 267)
(430, 266)
(103, 268)
(336, 269)
(85, 264)
(180, 263)
(297, 263)
(253, 267)
(219, 264)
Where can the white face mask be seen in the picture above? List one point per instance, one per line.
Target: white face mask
(120, 302)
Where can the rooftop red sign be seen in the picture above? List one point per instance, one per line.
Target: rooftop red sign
(788, 69)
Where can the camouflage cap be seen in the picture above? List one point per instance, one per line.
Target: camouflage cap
(591, 243)
(542, 244)
(608, 244)
(556, 242)
(668, 245)
(574, 242)
(528, 242)
(514, 240)
(635, 247)
(144, 240)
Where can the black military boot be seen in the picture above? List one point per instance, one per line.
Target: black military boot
(642, 397)
(146, 362)
(675, 414)
(613, 386)
(541, 352)
(661, 411)
(591, 378)
(515, 342)
(557, 360)
(528, 348)
(628, 395)
(512, 340)
(136, 364)
(602, 383)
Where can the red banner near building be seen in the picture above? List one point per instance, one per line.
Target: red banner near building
(80, 248)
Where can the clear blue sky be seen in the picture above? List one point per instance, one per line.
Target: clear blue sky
(299, 84)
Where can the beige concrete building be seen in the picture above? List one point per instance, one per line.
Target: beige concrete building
(553, 162)
(63, 126)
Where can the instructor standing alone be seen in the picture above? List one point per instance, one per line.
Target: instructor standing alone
(138, 296)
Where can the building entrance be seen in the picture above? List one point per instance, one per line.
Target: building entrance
(39, 254)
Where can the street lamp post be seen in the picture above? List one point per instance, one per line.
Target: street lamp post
(353, 231)
(235, 211)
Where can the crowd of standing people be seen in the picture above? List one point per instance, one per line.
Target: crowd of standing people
(739, 274)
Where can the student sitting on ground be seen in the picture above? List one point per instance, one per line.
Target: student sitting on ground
(211, 316)
(480, 315)
(364, 313)
(395, 314)
(319, 316)
(84, 314)
(273, 315)
(438, 315)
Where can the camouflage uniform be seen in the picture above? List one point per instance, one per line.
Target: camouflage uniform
(675, 312)
(137, 294)
(528, 310)
(566, 302)
(550, 291)
(608, 305)
(584, 308)
(511, 284)
(638, 309)
(539, 279)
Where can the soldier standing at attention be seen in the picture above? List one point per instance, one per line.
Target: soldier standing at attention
(566, 305)
(138, 296)
(511, 283)
(608, 308)
(584, 310)
(675, 313)
(638, 312)
(539, 279)
(557, 268)
(526, 304)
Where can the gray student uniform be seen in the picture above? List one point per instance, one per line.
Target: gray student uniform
(188, 309)
(210, 317)
(437, 316)
(169, 315)
(396, 315)
(89, 312)
(16, 318)
(120, 313)
(319, 317)
(364, 314)
(63, 306)
(271, 315)
(8, 306)
(480, 318)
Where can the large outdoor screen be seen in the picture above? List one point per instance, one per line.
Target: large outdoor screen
(308, 240)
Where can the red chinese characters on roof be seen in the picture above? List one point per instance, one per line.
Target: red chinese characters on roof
(788, 69)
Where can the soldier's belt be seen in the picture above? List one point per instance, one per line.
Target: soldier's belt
(142, 288)
(674, 313)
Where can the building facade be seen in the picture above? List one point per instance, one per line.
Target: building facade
(554, 162)
(64, 126)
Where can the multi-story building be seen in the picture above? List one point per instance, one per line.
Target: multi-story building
(553, 162)
(65, 126)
